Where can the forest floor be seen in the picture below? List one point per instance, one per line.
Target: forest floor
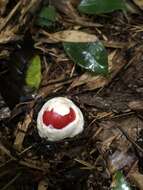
(112, 106)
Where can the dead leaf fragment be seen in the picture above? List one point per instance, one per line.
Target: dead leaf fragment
(139, 3)
(43, 185)
(71, 36)
(93, 82)
(136, 105)
(137, 178)
(3, 4)
(9, 34)
(63, 6)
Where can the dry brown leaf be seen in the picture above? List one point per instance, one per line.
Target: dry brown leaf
(3, 4)
(111, 129)
(9, 34)
(71, 36)
(137, 178)
(43, 185)
(45, 91)
(139, 3)
(136, 105)
(63, 5)
(93, 82)
(113, 144)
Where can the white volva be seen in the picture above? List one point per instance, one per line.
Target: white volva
(61, 106)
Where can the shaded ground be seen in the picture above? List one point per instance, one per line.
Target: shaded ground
(113, 106)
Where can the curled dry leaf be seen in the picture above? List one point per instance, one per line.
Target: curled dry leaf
(71, 36)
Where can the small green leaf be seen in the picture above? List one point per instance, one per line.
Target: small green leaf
(33, 74)
(90, 56)
(47, 16)
(101, 6)
(119, 182)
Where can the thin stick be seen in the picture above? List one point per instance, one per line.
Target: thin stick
(129, 138)
(11, 181)
(10, 15)
(6, 151)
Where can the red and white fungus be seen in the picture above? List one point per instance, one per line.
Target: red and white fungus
(59, 118)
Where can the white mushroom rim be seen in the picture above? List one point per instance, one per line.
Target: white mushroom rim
(61, 106)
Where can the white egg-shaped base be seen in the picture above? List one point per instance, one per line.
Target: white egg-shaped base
(62, 106)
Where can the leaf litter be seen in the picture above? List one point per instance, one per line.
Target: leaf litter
(111, 144)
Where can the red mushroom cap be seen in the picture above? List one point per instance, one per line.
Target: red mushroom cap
(58, 121)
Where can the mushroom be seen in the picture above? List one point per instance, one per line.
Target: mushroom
(59, 118)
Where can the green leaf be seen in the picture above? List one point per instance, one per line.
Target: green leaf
(33, 74)
(101, 6)
(90, 56)
(119, 182)
(47, 16)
